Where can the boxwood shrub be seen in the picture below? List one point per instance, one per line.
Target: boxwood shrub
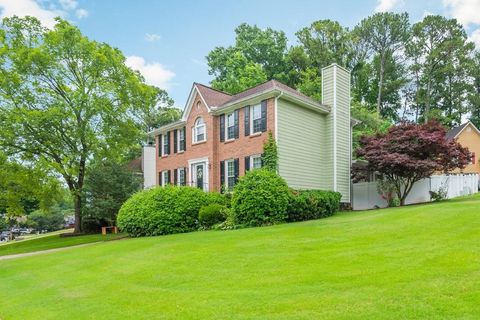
(260, 198)
(312, 204)
(164, 210)
(212, 214)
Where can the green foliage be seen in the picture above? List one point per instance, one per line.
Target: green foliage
(66, 100)
(49, 220)
(270, 154)
(107, 186)
(212, 214)
(164, 210)
(3, 223)
(370, 123)
(242, 74)
(260, 198)
(312, 204)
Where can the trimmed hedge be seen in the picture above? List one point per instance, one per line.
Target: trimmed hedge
(312, 204)
(260, 198)
(212, 214)
(164, 210)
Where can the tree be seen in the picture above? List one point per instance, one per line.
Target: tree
(440, 54)
(385, 34)
(66, 100)
(410, 152)
(107, 186)
(241, 75)
(257, 55)
(475, 94)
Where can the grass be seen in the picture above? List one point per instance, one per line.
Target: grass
(51, 241)
(416, 262)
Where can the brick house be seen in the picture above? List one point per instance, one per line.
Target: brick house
(221, 136)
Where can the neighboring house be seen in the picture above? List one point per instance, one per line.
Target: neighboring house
(221, 136)
(468, 136)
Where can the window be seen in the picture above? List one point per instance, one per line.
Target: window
(230, 174)
(256, 118)
(199, 133)
(165, 178)
(256, 162)
(165, 144)
(473, 157)
(181, 181)
(230, 126)
(181, 140)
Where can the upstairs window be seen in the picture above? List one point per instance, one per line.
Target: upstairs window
(165, 143)
(199, 129)
(181, 140)
(257, 118)
(231, 126)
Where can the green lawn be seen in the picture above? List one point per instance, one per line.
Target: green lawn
(417, 262)
(52, 241)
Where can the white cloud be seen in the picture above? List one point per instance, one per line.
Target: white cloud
(81, 13)
(475, 38)
(387, 5)
(465, 11)
(43, 10)
(155, 73)
(152, 37)
(24, 8)
(68, 4)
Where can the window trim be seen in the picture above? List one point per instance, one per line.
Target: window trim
(196, 127)
(182, 169)
(164, 175)
(165, 143)
(255, 156)
(227, 126)
(226, 163)
(252, 128)
(179, 144)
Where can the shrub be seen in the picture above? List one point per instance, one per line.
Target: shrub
(211, 214)
(164, 210)
(260, 198)
(312, 204)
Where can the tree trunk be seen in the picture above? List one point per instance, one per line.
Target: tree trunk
(77, 199)
(380, 83)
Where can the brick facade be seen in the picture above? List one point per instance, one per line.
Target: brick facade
(213, 148)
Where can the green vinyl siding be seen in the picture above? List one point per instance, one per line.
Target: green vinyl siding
(301, 146)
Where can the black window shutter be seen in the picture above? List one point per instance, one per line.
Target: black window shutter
(185, 170)
(247, 164)
(184, 139)
(175, 143)
(222, 128)
(168, 143)
(235, 117)
(160, 145)
(175, 175)
(261, 158)
(246, 115)
(264, 115)
(222, 174)
(235, 165)
(169, 176)
(160, 178)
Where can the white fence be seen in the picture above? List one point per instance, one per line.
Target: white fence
(365, 194)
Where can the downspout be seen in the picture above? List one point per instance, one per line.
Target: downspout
(276, 115)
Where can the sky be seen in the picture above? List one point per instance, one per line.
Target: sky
(167, 40)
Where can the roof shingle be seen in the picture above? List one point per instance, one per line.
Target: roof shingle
(452, 133)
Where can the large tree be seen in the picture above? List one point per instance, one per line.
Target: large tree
(441, 60)
(256, 56)
(65, 99)
(409, 152)
(385, 35)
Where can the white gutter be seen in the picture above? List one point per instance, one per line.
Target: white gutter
(276, 115)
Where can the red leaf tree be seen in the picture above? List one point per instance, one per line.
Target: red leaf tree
(409, 152)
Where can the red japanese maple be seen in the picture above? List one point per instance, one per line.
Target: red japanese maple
(409, 152)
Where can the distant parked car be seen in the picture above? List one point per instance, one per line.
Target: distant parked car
(4, 236)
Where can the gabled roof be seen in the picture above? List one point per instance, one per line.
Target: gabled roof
(454, 132)
(212, 97)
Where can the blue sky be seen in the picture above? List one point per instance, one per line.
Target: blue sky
(168, 40)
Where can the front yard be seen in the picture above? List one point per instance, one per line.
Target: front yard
(411, 262)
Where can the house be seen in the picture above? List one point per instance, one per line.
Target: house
(468, 136)
(221, 136)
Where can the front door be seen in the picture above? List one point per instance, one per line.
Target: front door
(198, 174)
